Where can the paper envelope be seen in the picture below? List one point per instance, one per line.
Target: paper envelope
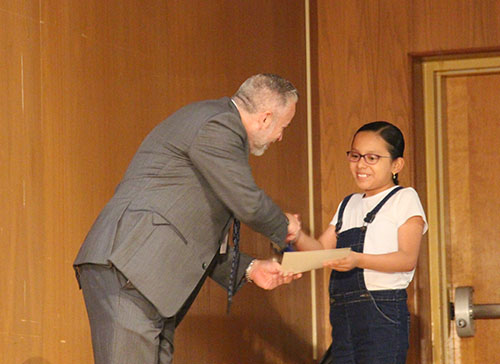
(298, 262)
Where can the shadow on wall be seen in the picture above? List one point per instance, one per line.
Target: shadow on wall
(36, 361)
(248, 337)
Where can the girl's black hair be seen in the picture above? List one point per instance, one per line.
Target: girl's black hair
(392, 136)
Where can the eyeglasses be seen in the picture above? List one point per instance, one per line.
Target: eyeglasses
(369, 158)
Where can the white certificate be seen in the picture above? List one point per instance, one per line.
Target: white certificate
(297, 262)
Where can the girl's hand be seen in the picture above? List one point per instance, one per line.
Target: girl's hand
(344, 264)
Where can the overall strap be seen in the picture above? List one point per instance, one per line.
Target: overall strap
(371, 215)
(338, 225)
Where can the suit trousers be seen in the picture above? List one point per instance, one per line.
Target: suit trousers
(125, 327)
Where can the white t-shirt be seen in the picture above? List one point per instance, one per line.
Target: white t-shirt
(382, 234)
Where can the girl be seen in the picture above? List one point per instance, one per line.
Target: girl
(383, 226)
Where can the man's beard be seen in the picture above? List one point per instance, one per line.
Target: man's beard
(261, 143)
(259, 150)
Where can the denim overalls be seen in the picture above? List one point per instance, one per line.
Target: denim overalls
(369, 327)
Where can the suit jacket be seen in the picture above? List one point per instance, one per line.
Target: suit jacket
(165, 223)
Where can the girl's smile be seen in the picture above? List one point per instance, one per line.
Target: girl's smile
(375, 175)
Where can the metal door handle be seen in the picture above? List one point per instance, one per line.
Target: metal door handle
(464, 311)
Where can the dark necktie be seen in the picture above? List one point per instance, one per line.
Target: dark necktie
(234, 264)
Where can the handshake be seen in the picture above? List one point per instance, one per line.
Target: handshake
(268, 274)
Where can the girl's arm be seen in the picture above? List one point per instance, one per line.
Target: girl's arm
(404, 260)
(327, 240)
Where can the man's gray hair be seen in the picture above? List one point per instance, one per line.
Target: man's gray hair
(265, 90)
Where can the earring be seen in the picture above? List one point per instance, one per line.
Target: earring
(394, 176)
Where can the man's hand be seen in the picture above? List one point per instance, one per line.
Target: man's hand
(267, 274)
(294, 226)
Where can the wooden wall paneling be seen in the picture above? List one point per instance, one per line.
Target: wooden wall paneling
(363, 77)
(445, 27)
(270, 38)
(97, 77)
(453, 25)
(364, 74)
(358, 85)
(20, 187)
(77, 168)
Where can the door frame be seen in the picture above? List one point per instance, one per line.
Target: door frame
(433, 72)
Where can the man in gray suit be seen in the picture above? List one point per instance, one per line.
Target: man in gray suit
(165, 229)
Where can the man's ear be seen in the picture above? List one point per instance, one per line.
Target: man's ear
(265, 120)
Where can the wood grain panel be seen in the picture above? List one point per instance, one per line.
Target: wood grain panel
(364, 73)
(100, 75)
(373, 84)
(98, 104)
(85, 82)
(21, 228)
(473, 234)
(273, 41)
(454, 25)
(362, 78)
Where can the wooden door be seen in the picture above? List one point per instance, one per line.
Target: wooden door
(463, 170)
